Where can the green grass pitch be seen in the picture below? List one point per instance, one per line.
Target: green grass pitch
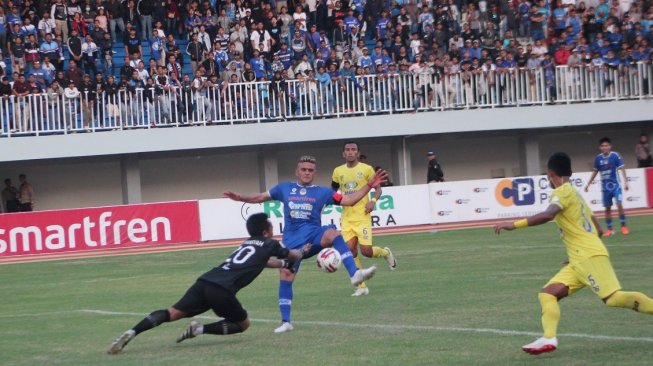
(463, 297)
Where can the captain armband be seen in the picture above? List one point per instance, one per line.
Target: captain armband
(520, 224)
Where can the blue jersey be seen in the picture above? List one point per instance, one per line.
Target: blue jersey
(302, 211)
(607, 166)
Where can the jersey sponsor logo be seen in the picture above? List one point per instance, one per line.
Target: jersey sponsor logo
(517, 192)
(350, 186)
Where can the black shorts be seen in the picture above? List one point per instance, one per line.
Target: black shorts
(203, 296)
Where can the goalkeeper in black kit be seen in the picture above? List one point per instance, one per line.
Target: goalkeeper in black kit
(216, 289)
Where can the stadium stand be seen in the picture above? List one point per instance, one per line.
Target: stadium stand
(92, 65)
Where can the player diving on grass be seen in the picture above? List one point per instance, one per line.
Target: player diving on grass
(608, 163)
(356, 220)
(216, 289)
(303, 204)
(589, 263)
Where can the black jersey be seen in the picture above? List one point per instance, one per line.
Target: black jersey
(245, 263)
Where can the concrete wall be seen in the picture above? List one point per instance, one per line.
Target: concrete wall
(200, 174)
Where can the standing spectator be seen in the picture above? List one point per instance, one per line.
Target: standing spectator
(145, 9)
(74, 73)
(643, 152)
(10, 194)
(116, 12)
(26, 194)
(75, 47)
(133, 44)
(102, 20)
(88, 95)
(3, 31)
(17, 53)
(46, 25)
(195, 50)
(434, 173)
(71, 95)
(89, 53)
(59, 12)
(261, 35)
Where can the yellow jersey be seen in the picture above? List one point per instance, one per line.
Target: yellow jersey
(351, 180)
(577, 229)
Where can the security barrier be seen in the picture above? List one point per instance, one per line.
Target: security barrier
(203, 103)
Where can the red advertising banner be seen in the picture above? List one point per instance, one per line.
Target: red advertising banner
(50, 232)
(649, 186)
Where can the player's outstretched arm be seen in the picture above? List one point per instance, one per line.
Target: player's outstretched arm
(293, 256)
(381, 176)
(252, 198)
(589, 182)
(623, 172)
(370, 205)
(537, 219)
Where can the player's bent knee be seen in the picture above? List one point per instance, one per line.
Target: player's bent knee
(286, 275)
(367, 251)
(328, 237)
(176, 314)
(244, 324)
(558, 290)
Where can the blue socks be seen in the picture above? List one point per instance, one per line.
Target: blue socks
(285, 299)
(347, 259)
(608, 223)
(622, 218)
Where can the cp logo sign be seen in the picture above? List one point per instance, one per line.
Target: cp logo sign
(518, 192)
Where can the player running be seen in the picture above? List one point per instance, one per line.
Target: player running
(608, 163)
(589, 262)
(303, 204)
(356, 221)
(217, 288)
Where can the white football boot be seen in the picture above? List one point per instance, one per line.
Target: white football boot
(541, 345)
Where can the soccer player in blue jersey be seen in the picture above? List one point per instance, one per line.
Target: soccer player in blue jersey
(303, 204)
(608, 163)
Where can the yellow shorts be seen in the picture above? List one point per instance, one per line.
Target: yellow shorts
(360, 230)
(595, 272)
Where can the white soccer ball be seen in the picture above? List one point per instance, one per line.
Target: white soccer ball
(328, 260)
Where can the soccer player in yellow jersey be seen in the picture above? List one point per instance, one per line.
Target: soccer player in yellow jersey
(356, 220)
(589, 263)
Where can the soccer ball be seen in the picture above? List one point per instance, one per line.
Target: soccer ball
(328, 260)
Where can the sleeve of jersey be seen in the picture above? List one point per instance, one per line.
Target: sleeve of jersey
(619, 161)
(555, 200)
(276, 192)
(369, 172)
(279, 250)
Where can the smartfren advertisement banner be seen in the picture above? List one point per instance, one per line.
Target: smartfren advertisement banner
(398, 206)
(87, 229)
(518, 197)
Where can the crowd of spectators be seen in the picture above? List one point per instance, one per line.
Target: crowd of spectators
(71, 43)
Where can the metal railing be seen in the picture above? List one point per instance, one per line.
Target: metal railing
(307, 98)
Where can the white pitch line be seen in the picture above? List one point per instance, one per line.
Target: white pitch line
(399, 327)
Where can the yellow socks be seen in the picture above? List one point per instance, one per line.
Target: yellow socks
(550, 314)
(631, 300)
(378, 252)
